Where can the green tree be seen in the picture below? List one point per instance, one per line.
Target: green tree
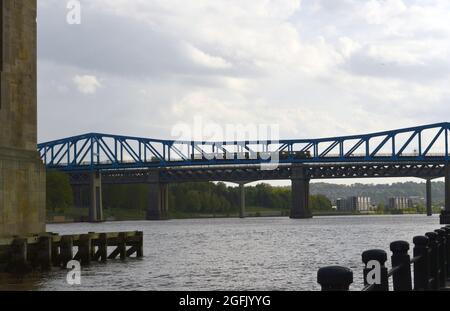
(59, 191)
(320, 203)
(421, 208)
(381, 208)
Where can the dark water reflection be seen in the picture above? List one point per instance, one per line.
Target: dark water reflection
(233, 254)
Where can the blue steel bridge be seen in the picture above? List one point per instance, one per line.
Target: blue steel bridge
(95, 159)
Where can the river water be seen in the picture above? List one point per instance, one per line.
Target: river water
(233, 254)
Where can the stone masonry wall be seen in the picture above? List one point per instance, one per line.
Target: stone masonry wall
(22, 174)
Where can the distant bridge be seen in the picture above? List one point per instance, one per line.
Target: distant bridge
(424, 144)
(93, 159)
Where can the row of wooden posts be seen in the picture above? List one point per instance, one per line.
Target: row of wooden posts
(23, 254)
(430, 262)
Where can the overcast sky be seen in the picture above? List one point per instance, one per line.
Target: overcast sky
(315, 67)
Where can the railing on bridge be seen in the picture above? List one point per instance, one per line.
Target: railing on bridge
(428, 143)
(430, 263)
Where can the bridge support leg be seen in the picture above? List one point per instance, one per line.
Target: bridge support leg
(445, 215)
(300, 194)
(429, 199)
(96, 204)
(158, 205)
(242, 200)
(77, 191)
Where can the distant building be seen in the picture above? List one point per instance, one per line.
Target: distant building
(400, 203)
(354, 204)
(360, 204)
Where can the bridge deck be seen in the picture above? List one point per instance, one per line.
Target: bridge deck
(256, 173)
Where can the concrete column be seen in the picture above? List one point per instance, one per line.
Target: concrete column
(429, 199)
(300, 194)
(77, 191)
(158, 205)
(22, 174)
(445, 215)
(96, 204)
(242, 200)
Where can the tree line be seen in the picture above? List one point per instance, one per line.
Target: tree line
(219, 198)
(198, 198)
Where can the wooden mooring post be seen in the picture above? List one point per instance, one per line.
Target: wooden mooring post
(65, 250)
(84, 254)
(18, 257)
(44, 253)
(22, 254)
(102, 244)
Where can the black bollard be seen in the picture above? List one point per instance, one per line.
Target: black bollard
(421, 266)
(400, 258)
(442, 256)
(434, 259)
(379, 256)
(447, 251)
(335, 278)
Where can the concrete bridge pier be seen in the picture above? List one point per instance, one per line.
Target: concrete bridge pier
(158, 205)
(22, 174)
(242, 200)
(96, 204)
(300, 208)
(445, 215)
(79, 201)
(429, 198)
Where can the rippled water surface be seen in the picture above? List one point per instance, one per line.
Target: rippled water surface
(233, 254)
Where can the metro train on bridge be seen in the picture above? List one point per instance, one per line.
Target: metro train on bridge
(284, 155)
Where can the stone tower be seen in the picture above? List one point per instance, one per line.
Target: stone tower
(22, 174)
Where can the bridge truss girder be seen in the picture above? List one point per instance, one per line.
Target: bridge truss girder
(424, 144)
(255, 173)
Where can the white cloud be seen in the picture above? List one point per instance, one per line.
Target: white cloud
(382, 11)
(205, 59)
(87, 84)
(348, 46)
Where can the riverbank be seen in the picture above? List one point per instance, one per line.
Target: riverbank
(71, 215)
